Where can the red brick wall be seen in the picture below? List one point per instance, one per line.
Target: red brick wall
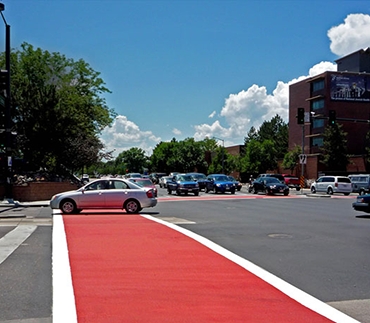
(39, 191)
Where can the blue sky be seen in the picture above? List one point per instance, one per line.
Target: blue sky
(180, 69)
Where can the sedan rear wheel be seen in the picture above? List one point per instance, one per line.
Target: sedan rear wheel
(132, 206)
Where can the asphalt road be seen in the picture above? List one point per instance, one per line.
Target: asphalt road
(320, 245)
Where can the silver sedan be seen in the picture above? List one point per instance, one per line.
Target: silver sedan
(110, 193)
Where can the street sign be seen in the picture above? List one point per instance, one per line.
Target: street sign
(307, 117)
(303, 159)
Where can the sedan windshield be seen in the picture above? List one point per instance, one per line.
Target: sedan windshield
(185, 178)
(271, 180)
(222, 178)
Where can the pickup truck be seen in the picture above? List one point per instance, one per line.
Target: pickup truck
(183, 183)
(292, 181)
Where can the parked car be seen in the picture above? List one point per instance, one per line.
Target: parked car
(362, 203)
(154, 177)
(85, 179)
(109, 193)
(332, 184)
(183, 183)
(269, 185)
(360, 183)
(163, 181)
(237, 184)
(145, 182)
(292, 181)
(200, 178)
(133, 175)
(278, 176)
(219, 183)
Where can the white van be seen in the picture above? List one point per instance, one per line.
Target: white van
(332, 184)
(360, 183)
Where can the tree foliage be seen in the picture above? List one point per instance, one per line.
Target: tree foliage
(334, 149)
(259, 157)
(222, 162)
(291, 158)
(184, 156)
(265, 146)
(57, 110)
(133, 160)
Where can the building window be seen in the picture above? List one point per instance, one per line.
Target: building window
(317, 104)
(317, 123)
(318, 85)
(318, 141)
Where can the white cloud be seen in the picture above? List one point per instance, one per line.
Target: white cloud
(125, 134)
(350, 36)
(176, 131)
(212, 115)
(253, 106)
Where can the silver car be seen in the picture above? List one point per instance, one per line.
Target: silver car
(110, 193)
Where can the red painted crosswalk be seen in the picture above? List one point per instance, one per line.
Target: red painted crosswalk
(134, 268)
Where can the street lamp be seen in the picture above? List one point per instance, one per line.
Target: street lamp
(223, 152)
(8, 121)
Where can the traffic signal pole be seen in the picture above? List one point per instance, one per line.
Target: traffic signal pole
(8, 119)
(302, 165)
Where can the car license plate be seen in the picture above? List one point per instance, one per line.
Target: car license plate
(281, 191)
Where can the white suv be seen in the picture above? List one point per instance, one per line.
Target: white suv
(332, 184)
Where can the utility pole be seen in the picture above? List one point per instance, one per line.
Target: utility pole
(8, 119)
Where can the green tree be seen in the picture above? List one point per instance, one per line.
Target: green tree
(334, 149)
(221, 156)
(277, 131)
(291, 158)
(190, 156)
(181, 156)
(163, 157)
(259, 157)
(252, 135)
(57, 110)
(133, 160)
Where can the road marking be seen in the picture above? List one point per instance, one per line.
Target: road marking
(13, 239)
(175, 220)
(300, 296)
(64, 307)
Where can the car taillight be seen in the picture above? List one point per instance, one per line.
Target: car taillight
(336, 184)
(150, 194)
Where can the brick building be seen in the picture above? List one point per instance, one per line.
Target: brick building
(347, 92)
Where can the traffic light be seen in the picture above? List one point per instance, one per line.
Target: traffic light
(300, 116)
(332, 117)
(3, 79)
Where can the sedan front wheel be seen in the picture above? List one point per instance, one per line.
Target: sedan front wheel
(68, 207)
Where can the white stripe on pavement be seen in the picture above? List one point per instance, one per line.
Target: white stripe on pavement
(13, 239)
(64, 307)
